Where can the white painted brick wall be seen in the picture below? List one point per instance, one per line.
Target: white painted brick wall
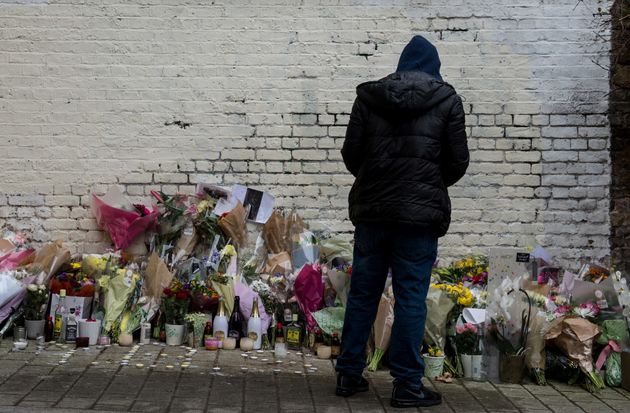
(89, 91)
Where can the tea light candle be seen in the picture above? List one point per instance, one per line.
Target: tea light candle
(229, 343)
(212, 343)
(125, 339)
(247, 344)
(324, 352)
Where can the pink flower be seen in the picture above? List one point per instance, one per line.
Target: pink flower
(471, 327)
(460, 329)
(192, 209)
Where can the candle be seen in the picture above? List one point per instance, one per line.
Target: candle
(247, 344)
(229, 343)
(125, 339)
(212, 343)
(324, 352)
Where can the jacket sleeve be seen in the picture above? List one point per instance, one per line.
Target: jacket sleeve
(455, 149)
(353, 146)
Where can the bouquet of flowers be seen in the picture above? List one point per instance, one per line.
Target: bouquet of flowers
(382, 330)
(472, 270)
(176, 301)
(203, 298)
(35, 303)
(575, 337)
(462, 295)
(467, 339)
(74, 281)
(339, 278)
(269, 300)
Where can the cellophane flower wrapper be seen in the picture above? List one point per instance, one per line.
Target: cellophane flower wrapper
(10, 288)
(122, 225)
(613, 331)
(535, 356)
(118, 288)
(616, 330)
(335, 248)
(439, 306)
(247, 296)
(309, 291)
(14, 259)
(382, 330)
(341, 284)
(226, 290)
(304, 250)
(330, 319)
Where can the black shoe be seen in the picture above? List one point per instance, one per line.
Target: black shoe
(347, 385)
(403, 396)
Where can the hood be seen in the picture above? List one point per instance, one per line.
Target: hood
(420, 55)
(404, 92)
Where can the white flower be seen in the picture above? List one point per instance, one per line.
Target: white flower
(42, 287)
(32, 287)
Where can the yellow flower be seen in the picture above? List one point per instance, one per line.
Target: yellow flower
(75, 265)
(202, 206)
(228, 250)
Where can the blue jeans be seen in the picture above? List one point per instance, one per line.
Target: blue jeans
(410, 254)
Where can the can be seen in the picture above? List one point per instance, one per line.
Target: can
(145, 333)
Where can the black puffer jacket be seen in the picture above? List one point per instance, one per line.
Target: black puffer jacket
(405, 144)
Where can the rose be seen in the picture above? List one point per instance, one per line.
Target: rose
(168, 292)
(181, 295)
(32, 287)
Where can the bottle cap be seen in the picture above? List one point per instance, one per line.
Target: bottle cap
(62, 293)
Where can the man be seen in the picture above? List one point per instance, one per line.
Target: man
(405, 145)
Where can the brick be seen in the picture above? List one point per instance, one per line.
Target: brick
(52, 200)
(269, 105)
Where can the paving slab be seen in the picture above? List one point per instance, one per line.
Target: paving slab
(156, 378)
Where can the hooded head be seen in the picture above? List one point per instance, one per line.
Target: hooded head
(420, 55)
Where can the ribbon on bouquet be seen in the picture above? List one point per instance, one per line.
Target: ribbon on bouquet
(610, 347)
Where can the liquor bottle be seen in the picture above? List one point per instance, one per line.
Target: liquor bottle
(280, 347)
(235, 325)
(155, 326)
(271, 331)
(71, 327)
(220, 325)
(294, 334)
(207, 332)
(49, 328)
(61, 315)
(254, 326)
(319, 340)
(335, 348)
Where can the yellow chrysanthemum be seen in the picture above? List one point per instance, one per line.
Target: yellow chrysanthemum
(202, 206)
(228, 250)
